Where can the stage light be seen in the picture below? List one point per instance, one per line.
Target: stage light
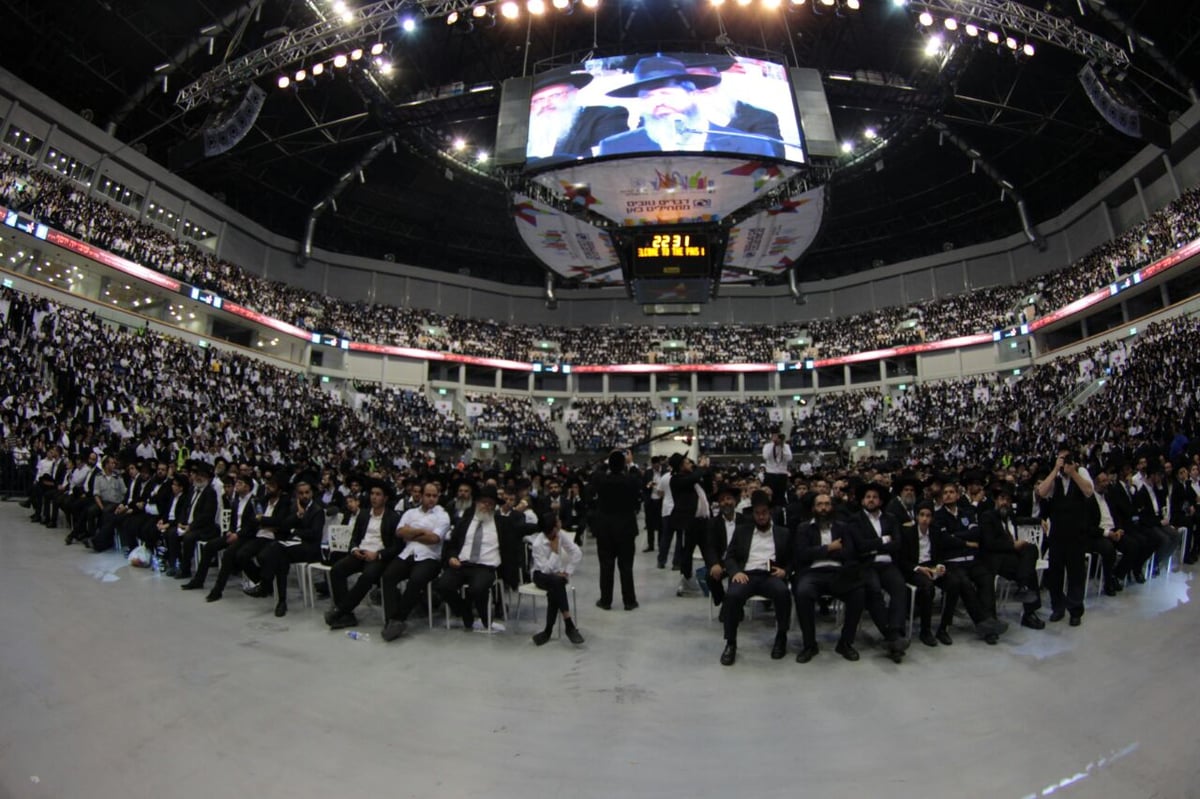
(509, 9)
(591, 4)
(971, 30)
(772, 5)
(993, 37)
(562, 5)
(339, 60)
(483, 156)
(847, 147)
(797, 2)
(1010, 43)
(951, 24)
(899, 3)
(479, 12)
(452, 18)
(718, 2)
(356, 54)
(377, 48)
(744, 3)
(870, 134)
(460, 145)
(1028, 49)
(409, 24)
(301, 75)
(347, 17)
(535, 7)
(386, 68)
(318, 69)
(829, 3)
(933, 46)
(284, 81)
(853, 5)
(925, 18)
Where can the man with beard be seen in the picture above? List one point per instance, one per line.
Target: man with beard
(671, 119)
(1010, 557)
(559, 128)
(827, 565)
(759, 558)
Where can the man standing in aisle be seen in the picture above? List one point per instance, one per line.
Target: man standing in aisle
(1066, 491)
(777, 457)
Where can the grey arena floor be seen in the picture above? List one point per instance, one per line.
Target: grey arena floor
(114, 683)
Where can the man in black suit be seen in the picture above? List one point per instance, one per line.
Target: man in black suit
(690, 514)
(717, 535)
(671, 118)
(759, 560)
(559, 129)
(877, 541)
(484, 544)
(723, 107)
(1115, 532)
(1153, 514)
(254, 540)
(1010, 557)
(372, 547)
(242, 524)
(917, 564)
(199, 520)
(614, 521)
(903, 504)
(1065, 492)
(298, 540)
(956, 545)
(826, 565)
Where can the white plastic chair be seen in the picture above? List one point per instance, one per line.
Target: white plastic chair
(339, 541)
(531, 590)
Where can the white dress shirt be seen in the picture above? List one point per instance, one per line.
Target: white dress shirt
(762, 550)
(547, 561)
(436, 521)
(489, 555)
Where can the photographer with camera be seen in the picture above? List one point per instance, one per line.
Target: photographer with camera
(1065, 492)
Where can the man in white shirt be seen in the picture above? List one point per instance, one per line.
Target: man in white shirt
(368, 557)
(420, 532)
(777, 458)
(555, 557)
(759, 559)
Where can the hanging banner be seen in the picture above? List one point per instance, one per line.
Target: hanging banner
(772, 240)
(569, 246)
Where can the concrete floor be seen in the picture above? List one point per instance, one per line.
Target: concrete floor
(114, 683)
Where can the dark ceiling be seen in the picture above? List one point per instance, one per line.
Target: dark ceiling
(1028, 118)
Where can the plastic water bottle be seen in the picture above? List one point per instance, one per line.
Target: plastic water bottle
(355, 635)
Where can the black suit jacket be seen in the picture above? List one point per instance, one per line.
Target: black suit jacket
(247, 524)
(595, 122)
(868, 544)
(720, 140)
(1145, 514)
(910, 547)
(617, 495)
(391, 520)
(202, 519)
(716, 539)
(308, 526)
(739, 548)
(511, 529)
(687, 501)
(993, 538)
(951, 533)
(808, 548)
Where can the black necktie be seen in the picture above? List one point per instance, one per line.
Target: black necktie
(476, 543)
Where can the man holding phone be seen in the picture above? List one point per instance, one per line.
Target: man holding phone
(1065, 492)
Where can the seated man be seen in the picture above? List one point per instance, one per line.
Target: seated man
(483, 544)
(1153, 515)
(759, 558)
(826, 565)
(256, 539)
(877, 541)
(555, 557)
(717, 535)
(371, 549)
(919, 569)
(199, 521)
(242, 525)
(170, 515)
(956, 546)
(1115, 532)
(1010, 557)
(420, 531)
(297, 540)
(107, 488)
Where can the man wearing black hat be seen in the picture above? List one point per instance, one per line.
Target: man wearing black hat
(242, 524)
(826, 564)
(617, 493)
(1010, 557)
(1153, 514)
(1065, 492)
(689, 514)
(759, 560)
(903, 504)
(198, 522)
(725, 108)
(481, 546)
(371, 549)
(717, 536)
(877, 540)
(298, 540)
(671, 118)
(559, 128)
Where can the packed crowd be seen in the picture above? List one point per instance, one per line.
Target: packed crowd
(65, 205)
(413, 419)
(827, 421)
(513, 421)
(598, 425)
(735, 425)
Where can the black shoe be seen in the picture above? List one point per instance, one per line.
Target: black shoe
(1058, 615)
(991, 640)
(729, 655)
(1075, 621)
(943, 636)
(332, 614)
(280, 609)
(1139, 578)
(258, 592)
(600, 603)
(847, 651)
(662, 565)
(1111, 587)
(928, 639)
(191, 585)
(648, 549)
(574, 636)
(780, 647)
(70, 539)
(169, 572)
(25, 503)
(343, 620)
(807, 654)
(51, 526)
(36, 519)
(323, 592)
(894, 650)
(393, 629)
(213, 596)
(632, 605)
(1033, 621)
(542, 637)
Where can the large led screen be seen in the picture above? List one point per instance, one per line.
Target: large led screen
(675, 102)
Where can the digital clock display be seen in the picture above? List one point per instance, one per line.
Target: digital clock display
(669, 255)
